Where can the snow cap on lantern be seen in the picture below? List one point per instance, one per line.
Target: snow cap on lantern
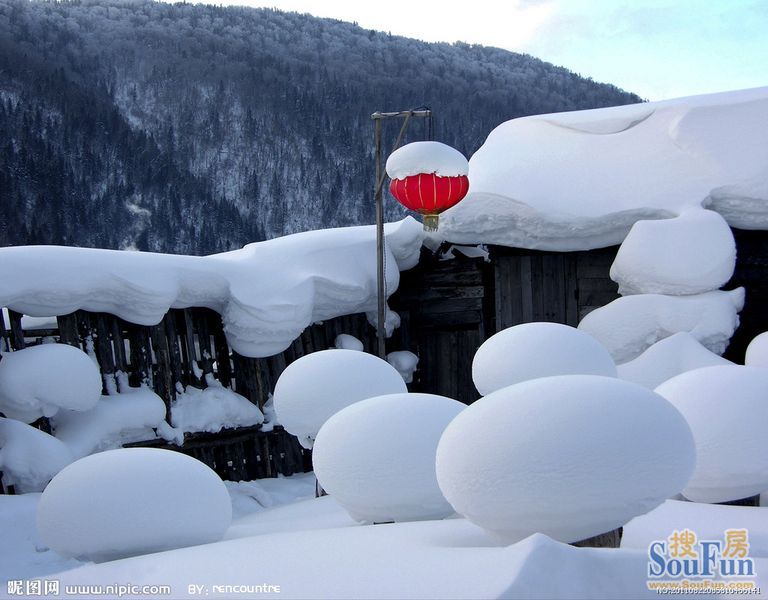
(428, 177)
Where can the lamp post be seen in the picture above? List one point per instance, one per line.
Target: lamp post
(378, 117)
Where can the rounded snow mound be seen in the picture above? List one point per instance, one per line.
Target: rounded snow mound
(757, 351)
(572, 457)
(318, 385)
(426, 157)
(690, 254)
(377, 457)
(39, 380)
(29, 458)
(678, 353)
(132, 501)
(727, 409)
(533, 350)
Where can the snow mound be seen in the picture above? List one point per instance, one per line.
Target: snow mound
(757, 351)
(29, 458)
(690, 254)
(132, 501)
(726, 409)
(628, 326)
(377, 457)
(405, 362)
(344, 341)
(39, 380)
(709, 521)
(212, 409)
(267, 293)
(318, 385)
(426, 157)
(534, 350)
(671, 356)
(580, 180)
(571, 456)
(130, 416)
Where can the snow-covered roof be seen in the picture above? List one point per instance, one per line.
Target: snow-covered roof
(579, 180)
(266, 293)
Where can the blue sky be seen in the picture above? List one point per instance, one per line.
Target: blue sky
(655, 48)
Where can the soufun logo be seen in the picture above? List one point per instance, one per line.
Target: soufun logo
(682, 554)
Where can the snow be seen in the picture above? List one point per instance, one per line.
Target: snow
(414, 560)
(132, 501)
(254, 497)
(212, 409)
(39, 380)
(534, 350)
(426, 157)
(405, 362)
(377, 457)
(318, 385)
(344, 341)
(434, 559)
(709, 521)
(629, 325)
(726, 409)
(671, 356)
(580, 180)
(267, 293)
(130, 416)
(690, 254)
(571, 456)
(29, 458)
(757, 351)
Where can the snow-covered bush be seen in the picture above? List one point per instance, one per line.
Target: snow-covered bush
(757, 351)
(132, 501)
(727, 410)
(690, 254)
(39, 380)
(344, 341)
(377, 457)
(130, 416)
(405, 362)
(671, 356)
(630, 325)
(571, 456)
(318, 385)
(212, 409)
(534, 350)
(29, 458)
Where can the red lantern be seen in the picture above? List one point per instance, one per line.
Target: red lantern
(429, 194)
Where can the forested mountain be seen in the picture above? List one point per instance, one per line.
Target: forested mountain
(193, 128)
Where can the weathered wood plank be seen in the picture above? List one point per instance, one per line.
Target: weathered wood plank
(442, 293)
(68, 333)
(162, 374)
(17, 333)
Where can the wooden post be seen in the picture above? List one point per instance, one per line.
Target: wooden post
(17, 334)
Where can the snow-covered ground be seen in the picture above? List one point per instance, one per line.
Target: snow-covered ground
(310, 548)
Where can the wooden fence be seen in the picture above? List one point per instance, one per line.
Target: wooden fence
(187, 347)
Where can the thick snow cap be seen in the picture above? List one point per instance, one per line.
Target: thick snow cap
(132, 501)
(266, 293)
(426, 157)
(377, 457)
(572, 457)
(534, 350)
(315, 387)
(726, 409)
(40, 380)
(580, 180)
